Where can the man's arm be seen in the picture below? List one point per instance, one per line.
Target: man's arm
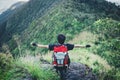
(81, 46)
(42, 46)
(39, 45)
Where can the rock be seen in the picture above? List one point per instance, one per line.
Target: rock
(78, 71)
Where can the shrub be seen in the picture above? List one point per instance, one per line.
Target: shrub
(6, 61)
(34, 67)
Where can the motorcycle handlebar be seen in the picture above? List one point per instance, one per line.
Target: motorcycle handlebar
(87, 46)
(33, 44)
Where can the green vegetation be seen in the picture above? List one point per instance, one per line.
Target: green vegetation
(34, 67)
(69, 17)
(108, 32)
(6, 61)
(27, 67)
(96, 22)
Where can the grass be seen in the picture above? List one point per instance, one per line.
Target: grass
(86, 56)
(29, 67)
(83, 55)
(35, 68)
(84, 37)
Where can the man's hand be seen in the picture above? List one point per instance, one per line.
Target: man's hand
(87, 46)
(34, 44)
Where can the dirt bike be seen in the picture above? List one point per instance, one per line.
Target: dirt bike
(60, 63)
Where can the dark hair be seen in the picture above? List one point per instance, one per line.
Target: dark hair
(61, 38)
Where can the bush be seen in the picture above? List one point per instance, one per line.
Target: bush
(108, 31)
(113, 74)
(6, 61)
(34, 67)
(108, 48)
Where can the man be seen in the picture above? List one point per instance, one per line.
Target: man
(61, 39)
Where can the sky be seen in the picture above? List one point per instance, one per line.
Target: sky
(5, 4)
(115, 1)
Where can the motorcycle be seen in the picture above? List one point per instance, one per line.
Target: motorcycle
(60, 63)
(61, 59)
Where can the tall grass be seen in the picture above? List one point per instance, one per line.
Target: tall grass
(86, 56)
(26, 67)
(35, 68)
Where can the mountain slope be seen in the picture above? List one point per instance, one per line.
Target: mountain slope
(21, 20)
(11, 10)
(38, 19)
(42, 20)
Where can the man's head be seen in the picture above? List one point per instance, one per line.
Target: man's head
(61, 38)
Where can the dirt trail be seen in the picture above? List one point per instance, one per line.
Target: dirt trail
(78, 71)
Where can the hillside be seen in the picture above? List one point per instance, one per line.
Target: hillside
(30, 12)
(11, 10)
(42, 20)
(68, 17)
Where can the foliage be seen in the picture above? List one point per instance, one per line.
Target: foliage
(41, 20)
(34, 67)
(6, 63)
(108, 31)
(17, 73)
(25, 68)
(36, 22)
(113, 74)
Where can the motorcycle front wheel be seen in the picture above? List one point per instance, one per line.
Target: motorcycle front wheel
(62, 73)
